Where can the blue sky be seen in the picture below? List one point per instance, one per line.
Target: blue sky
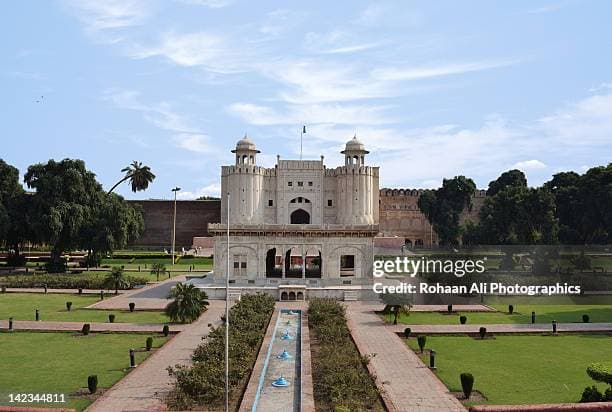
(434, 89)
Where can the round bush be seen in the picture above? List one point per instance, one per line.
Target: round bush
(68, 306)
(482, 332)
(132, 306)
(511, 309)
(600, 372)
(407, 332)
(586, 318)
(422, 340)
(449, 308)
(149, 343)
(463, 319)
(85, 329)
(111, 318)
(166, 330)
(591, 394)
(92, 383)
(467, 384)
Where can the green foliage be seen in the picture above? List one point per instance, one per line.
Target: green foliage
(116, 279)
(65, 281)
(591, 394)
(422, 340)
(158, 269)
(608, 395)
(92, 383)
(467, 384)
(132, 306)
(203, 384)
(510, 179)
(111, 318)
(166, 330)
(85, 329)
(407, 332)
(188, 304)
(138, 175)
(68, 306)
(600, 372)
(586, 318)
(443, 207)
(463, 319)
(449, 308)
(511, 309)
(340, 375)
(149, 343)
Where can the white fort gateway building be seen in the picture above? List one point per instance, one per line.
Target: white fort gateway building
(297, 230)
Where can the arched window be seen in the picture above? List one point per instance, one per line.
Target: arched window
(300, 217)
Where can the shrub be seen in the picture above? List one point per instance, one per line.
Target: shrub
(166, 330)
(85, 329)
(68, 306)
(92, 383)
(511, 309)
(586, 318)
(3, 289)
(407, 332)
(608, 395)
(600, 372)
(132, 306)
(449, 308)
(591, 394)
(64, 281)
(482, 332)
(111, 318)
(463, 319)
(467, 384)
(188, 304)
(422, 340)
(149, 343)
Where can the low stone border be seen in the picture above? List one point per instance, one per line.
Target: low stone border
(308, 403)
(559, 407)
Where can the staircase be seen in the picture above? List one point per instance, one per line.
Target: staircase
(351, 295)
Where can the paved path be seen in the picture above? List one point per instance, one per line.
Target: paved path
(505, 328)
(63, 291)
(144, 387)
(404, 382)
(151, 297)
(95, 327)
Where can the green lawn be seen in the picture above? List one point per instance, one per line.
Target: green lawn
(61, 362)
(22, 306)
(563, 309)
(520, 369)
(201, 263)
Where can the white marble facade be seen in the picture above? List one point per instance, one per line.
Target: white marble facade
(299, 222)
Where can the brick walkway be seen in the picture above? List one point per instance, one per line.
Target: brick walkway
(95, 327)
(151, 297)
(404, 382)
(143, 388)
(505, 328)
(63, 291)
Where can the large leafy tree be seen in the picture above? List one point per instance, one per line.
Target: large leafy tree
(511, 178)
(188, 303)
(138, 175)
(14, 212)
(443, 207)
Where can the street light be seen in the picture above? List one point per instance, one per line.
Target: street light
(175, 190)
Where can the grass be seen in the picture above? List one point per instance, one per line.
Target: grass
(563, 309)
(200, 263)
(61, 362)
(520, 369)
(22, 306)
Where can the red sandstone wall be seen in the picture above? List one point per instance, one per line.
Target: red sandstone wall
(192, 219)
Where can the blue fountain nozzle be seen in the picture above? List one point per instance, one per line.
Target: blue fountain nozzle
(280, 382)
(285, 355)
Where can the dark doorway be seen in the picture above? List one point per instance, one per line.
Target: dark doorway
(300, 217)
(273, 269)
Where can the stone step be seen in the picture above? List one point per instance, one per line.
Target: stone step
(350, 295)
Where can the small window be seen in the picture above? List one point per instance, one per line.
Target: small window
(330, 203)
(289, 183)
(236, 265)
(243, 265)
(309, 183)
(270, 202)
(300, 184)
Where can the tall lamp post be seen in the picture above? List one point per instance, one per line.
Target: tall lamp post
(227, 276)
(175, 190)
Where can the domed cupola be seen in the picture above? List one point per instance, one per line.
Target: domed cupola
(354, 152)
(245, 151)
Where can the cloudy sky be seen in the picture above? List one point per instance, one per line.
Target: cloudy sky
(434, 89)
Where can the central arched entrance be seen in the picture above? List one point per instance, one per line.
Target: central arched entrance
(300, 217)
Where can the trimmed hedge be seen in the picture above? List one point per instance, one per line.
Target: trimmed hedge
(64, 281)
(202, 385)
(340, 376)
(600, 372)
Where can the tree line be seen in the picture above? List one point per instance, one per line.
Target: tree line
(571, 208)
(66, 208)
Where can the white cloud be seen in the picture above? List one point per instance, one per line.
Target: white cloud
(98, 15)
(213, 4)
(198, 143)
(213, 189)
(527, 165)
(418, 73)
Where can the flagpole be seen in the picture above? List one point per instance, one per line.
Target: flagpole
(227, 310)
(302, 131)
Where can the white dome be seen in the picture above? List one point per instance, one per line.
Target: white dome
(354, 145)
(245, 145)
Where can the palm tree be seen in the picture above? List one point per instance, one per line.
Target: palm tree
(139, 176)
(116, 280)
(159, 269)
(188, 304)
